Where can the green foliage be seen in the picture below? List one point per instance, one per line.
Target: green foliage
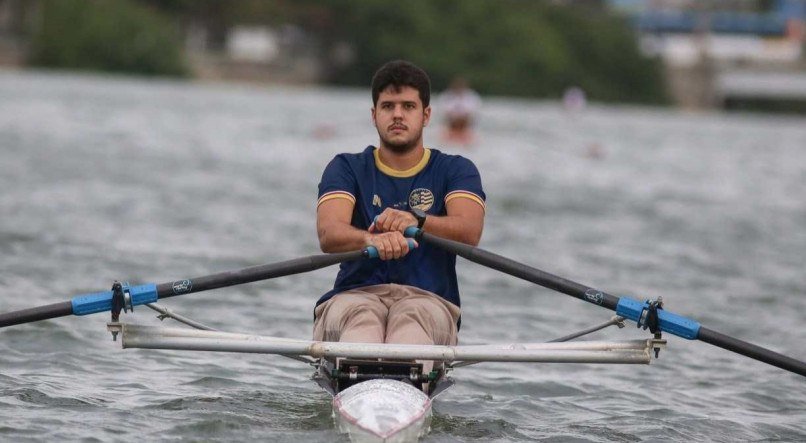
(528, 48)
(108, 35)
(503, 47)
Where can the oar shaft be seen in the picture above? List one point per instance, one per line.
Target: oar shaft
(523, 271)
(36, 314)
(149, 293)
(254, 273)
(753, 351)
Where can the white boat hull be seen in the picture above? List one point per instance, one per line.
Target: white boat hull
(382, 411)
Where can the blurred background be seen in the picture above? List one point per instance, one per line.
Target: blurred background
(720, 54)
(646, 148)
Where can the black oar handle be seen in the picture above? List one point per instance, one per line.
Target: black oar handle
(624, 306)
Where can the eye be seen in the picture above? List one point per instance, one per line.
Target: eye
(386, 106)
(410, 106)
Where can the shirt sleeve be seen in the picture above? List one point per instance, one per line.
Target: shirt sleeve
(337, 182)
(465, 182)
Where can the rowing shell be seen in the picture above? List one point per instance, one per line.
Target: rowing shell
(381, 400)
(382, 410)
(379, 390)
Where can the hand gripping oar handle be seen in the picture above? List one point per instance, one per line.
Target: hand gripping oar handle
(624, 306)
(149, 293)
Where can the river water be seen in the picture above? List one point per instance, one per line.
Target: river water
(152, 181)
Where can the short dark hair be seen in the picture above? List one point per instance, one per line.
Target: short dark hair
(399, 73)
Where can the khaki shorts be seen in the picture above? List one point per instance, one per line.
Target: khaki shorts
(388, 313)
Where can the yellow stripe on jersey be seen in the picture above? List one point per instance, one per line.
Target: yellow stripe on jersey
(335, 194)
(465, 194)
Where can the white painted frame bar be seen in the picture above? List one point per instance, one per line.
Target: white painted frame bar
(619, 352)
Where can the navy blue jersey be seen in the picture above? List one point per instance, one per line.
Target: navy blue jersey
(373, 186)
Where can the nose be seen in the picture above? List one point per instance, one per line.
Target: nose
(398, 111)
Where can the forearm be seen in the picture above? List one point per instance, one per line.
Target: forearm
(341, 237)
(455, 227)
(463, 223)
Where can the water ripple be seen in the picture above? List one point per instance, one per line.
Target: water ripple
(153, 181)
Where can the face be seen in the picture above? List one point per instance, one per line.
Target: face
(399, 117)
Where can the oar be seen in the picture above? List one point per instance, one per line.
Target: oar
(626, 307)
(149, 293)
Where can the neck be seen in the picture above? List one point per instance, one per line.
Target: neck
(401, 161)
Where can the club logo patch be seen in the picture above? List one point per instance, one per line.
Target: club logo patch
(421, 198)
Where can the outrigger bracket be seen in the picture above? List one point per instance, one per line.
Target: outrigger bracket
(650, 319)
(118, 304)
(120, 299)
(649, 316)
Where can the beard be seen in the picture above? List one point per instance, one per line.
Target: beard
(401, 146)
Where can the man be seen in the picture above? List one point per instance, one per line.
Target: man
(370, 198)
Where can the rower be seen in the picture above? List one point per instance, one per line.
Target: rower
(408, 295)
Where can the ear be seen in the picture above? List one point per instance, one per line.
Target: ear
(426, 115)
(372, 110)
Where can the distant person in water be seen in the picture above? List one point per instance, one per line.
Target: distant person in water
(574, 99)
(460, 104)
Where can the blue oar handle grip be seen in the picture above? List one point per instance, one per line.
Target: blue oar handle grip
(412, 232)
(668, 321)
(102, 301)
(372, 251)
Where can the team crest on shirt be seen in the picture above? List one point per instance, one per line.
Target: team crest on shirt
(376, 201)
(421, 198)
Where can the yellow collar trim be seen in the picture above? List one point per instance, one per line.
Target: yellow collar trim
(408, 172)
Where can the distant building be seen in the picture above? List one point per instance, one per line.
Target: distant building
(683, 31)
(259, 44)
(717, 51)
(254, 53)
